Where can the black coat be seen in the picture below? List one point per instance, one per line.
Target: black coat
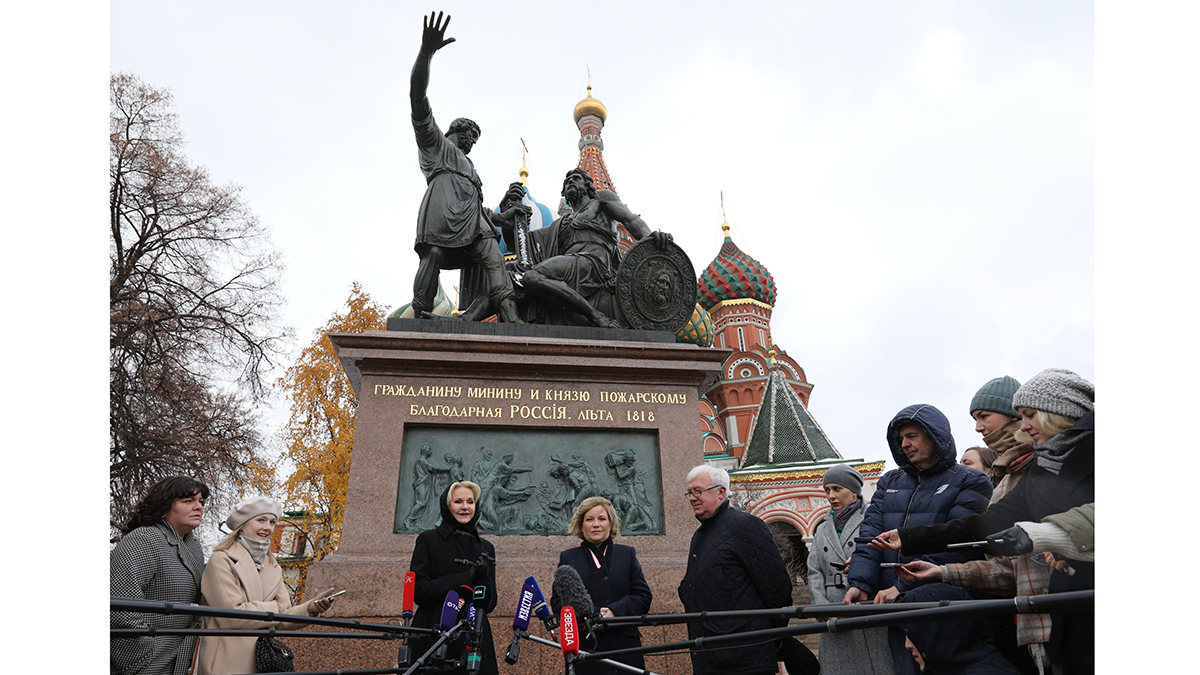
(733, 563)
(618, 585)
(442, 562)
(955, 647)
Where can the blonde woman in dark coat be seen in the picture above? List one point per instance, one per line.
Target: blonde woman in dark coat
(243, 574)
(853, 652)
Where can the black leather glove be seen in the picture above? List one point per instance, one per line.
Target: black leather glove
(1013, 541)
(479, 568)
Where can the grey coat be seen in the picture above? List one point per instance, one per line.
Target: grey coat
(853, 652)
(155, 563)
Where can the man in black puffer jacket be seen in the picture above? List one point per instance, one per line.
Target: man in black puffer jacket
(733, 563)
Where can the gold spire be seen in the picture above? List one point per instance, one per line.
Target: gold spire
(724, 225)
(590, 106)
(524, 170)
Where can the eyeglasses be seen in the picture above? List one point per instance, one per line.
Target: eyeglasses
(697, 492)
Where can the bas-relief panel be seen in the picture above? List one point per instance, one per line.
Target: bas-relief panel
(531, 479)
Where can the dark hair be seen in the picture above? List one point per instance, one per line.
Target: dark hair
(463, 124)
(160, 497)
(587, 179)
(986, 455)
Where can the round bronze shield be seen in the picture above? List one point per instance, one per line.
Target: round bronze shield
(656, 287)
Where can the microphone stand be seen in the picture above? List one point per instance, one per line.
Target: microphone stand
(151, 631)
(1031, 604)
(156, 607)
(443, 639)
(822, 611)
(607, 662)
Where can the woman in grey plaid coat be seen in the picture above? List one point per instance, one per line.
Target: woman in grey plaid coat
(159, 558)
(858, 652)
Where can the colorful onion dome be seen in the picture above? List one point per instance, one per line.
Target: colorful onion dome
(699, 329)
(590, 106)
(734, 275)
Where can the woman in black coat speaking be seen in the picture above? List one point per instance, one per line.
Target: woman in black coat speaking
(447, 558)
(613, 578)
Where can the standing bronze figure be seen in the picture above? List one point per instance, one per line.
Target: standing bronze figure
(454, 229)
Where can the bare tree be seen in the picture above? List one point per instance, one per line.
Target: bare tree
(194, 306)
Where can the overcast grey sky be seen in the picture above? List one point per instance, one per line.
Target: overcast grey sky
(918, 177)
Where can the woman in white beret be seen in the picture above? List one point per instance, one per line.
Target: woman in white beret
(243, 574)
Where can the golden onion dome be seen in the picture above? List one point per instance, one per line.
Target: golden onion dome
(590, 106)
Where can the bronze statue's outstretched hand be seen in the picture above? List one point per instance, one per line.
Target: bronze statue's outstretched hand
(433, 35)
(661, 239)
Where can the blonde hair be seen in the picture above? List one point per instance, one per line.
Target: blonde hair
(576, 526)
(462, 484)
(1052, 424)
(231, 539)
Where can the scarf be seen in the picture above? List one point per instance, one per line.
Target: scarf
(599, 554)
(1003, 439)
(1054, 453)
(1013, 460)
(258, 549)
(843, 514)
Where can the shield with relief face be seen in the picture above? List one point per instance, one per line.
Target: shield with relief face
(656, 287)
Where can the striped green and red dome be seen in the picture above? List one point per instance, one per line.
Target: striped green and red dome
(734, 275)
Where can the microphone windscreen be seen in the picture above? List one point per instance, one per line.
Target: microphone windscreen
(410, 583)
(449, 611)
(568, 586)
(569, 632)
(524, 608)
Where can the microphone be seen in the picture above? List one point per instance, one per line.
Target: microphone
(569, 586)
(569, 637)
(473, 639)
(404, 657)
(520, 623)
(450, 610)
(540, 609)
(410, 583)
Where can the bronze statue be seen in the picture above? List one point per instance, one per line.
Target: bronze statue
(575, 258)
(454, 229)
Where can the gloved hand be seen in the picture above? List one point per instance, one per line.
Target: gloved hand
(320, 603)
(1013, 541)
(479, 568)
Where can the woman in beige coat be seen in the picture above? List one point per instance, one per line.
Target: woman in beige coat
(243, 574)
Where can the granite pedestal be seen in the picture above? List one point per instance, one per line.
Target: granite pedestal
(592, 382)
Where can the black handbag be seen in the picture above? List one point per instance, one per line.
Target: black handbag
(272, 656)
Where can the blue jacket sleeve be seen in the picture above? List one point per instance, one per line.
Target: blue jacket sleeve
(864, 563)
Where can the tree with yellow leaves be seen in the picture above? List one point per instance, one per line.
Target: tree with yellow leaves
(320, 430)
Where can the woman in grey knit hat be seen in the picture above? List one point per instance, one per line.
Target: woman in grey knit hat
(1058, 416)
(853, 652)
